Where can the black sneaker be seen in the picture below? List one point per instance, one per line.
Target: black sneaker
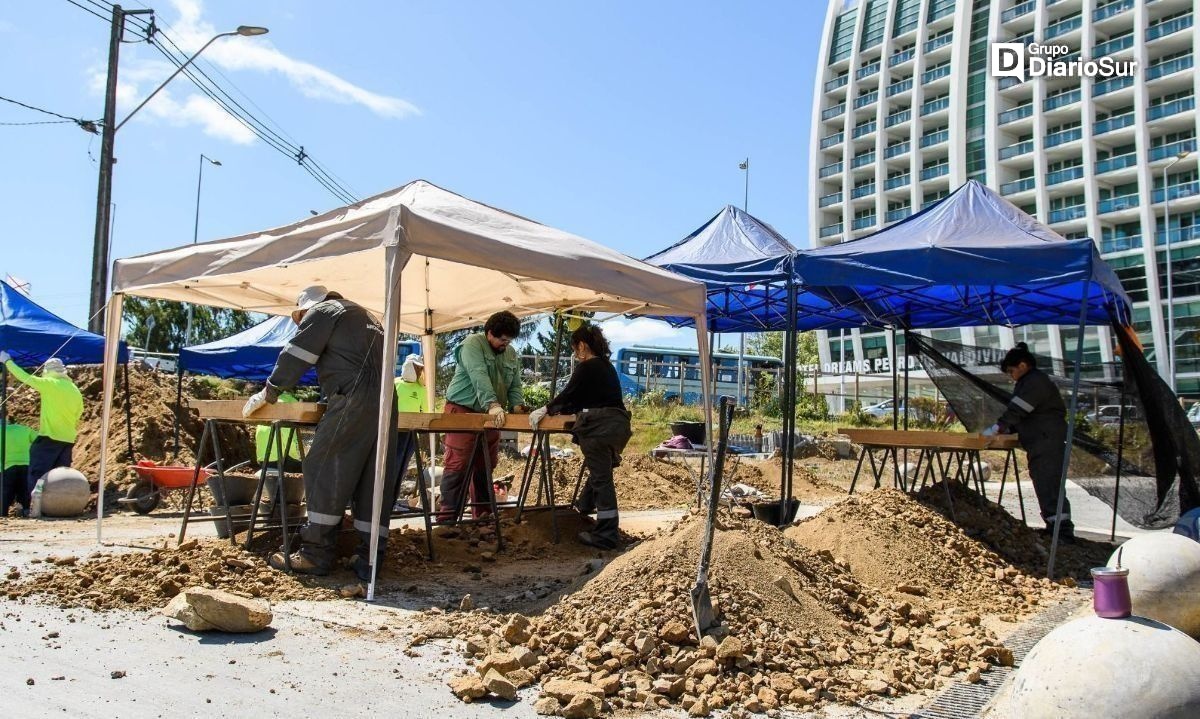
(592, 540)
(362, 569)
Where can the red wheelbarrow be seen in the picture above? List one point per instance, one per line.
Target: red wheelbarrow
(155, 480)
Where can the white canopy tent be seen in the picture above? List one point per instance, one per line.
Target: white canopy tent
(424, 260)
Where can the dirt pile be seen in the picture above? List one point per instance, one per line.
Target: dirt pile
(1025, 548)
(895, 544)
(642, 482)
(796, 629)
(152, 411)
(147, 580)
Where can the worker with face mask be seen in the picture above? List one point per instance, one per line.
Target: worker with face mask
(61, 407)
(345, 343)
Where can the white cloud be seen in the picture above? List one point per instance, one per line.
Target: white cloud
(138, 78)
(642, 330)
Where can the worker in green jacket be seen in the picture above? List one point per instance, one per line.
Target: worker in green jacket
(287, 438)
(14, 486)
(58, 422)
(410, 397)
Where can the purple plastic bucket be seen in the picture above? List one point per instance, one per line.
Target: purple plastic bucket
(1110, 595)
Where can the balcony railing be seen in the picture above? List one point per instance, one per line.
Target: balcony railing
(1065, 214)
(933, 106)
(864, 129)
(1018, 10)
(1061, 137)
(862, 223)
(1174, 148)
(862, 191)
(1174, 192)
(935, 73)
(895, 150)
(1179, 234)
(864, 100)
(835, 83)
(1173, 107)
(1064, 26)
(867, 70)
(899, 87)
(1113, 8)
(1113, 123)
(1120, 244)
(832, 168)
(941, 10)
(897, 117)
(1115, 204)
(1117, 44)
(1063, 99)
(831, 199)
(1170, 67)
(942, 41)
(1116, 163)
(831, 230)
(832, 112)
(903, 56)
(935, 138)
(1064, 175)
(830, 140)
(1014, 150)
(936, 171)
(898, 214)
(892, 183)
(1017, 113)
(864, 159)
(1166, 28)
(1012, 188)
(1112, 84)
(1006, 82)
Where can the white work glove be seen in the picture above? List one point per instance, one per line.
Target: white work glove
(990, 431)
(536, 416)
(497, 414)
(4, 356)
(255, 403)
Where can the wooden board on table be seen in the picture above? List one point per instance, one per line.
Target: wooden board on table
(924, 439)
(512, 423)
(231, 409)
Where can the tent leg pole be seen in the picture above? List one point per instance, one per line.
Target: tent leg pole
(128, 414)
(3, 416)
(1062, 482)
(178, 407)
(1120, 450)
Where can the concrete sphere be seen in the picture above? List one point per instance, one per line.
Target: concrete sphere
(1164, 578)
(65, 493)
(1134, 668)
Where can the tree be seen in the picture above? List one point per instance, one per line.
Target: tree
(770, 344)
(159, 325)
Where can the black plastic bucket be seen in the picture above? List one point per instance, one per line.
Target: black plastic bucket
(769, 512)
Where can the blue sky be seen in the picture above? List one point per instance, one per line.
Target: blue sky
(620, 121)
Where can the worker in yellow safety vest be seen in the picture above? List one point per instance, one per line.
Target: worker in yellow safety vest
(58, 422)
(287, 439)
(410, 397)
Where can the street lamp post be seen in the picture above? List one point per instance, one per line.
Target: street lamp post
(743, 379)
(1170, 282)
(187, 332)
(99, 288)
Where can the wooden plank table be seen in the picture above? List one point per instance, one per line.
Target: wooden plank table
(950, 454)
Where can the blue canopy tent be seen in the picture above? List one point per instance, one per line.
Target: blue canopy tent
(31, 334)
(971, 258)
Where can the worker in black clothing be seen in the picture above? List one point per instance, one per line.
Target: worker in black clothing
(601, 430)
(1037, 413)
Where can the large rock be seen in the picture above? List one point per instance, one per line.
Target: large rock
(1164, 579)
(202, 609)
(65, 493)
(1135, 668)
(564, 690)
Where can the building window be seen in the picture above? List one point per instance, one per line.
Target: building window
(843, 37)
(874, 23)
(908, 16)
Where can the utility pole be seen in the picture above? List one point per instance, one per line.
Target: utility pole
(100, 248)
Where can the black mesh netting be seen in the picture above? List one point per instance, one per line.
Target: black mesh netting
(1137, 424)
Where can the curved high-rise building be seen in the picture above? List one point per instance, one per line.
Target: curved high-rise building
(906, 107)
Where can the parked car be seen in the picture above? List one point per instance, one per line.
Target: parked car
(883, 410)
(1111, 414)
(1193, 415)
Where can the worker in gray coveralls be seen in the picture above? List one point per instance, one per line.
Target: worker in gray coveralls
(346, 344)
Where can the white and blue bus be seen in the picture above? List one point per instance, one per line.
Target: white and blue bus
(676, 372)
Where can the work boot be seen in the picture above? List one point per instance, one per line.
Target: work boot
(301, 564)
(316, 552)
(361, 564)
(592, 540)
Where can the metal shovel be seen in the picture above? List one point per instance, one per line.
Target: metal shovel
(702, 608)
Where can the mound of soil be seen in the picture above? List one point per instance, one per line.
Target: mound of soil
(796, 629)
(147, 580)
(895, 544)
(1025, 548)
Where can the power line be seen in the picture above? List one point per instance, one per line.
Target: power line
(87, 125)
